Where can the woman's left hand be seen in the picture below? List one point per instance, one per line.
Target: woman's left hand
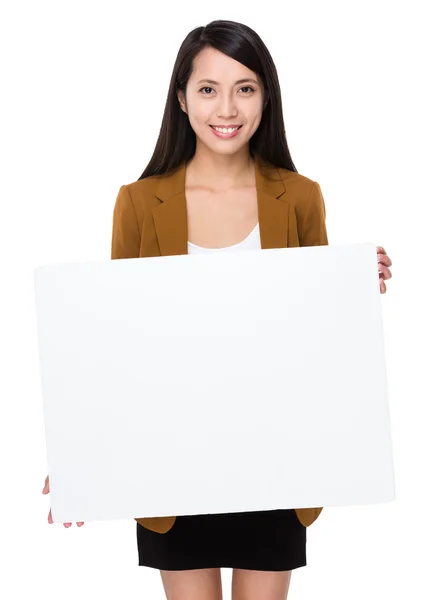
(383, 263)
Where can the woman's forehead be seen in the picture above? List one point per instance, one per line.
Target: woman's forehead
(212, 66)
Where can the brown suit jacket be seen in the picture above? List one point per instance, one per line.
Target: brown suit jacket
(150, 219)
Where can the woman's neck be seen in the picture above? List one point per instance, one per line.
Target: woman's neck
(220, 171)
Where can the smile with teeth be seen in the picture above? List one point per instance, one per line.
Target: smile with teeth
(225, 129)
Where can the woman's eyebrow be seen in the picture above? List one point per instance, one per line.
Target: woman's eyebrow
(236, 82)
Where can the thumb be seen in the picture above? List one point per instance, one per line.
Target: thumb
(46, 487)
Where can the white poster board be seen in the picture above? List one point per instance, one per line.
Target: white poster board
(228, 382)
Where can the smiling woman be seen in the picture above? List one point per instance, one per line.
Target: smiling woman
(221, 177)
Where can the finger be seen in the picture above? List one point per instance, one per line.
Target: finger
(380, 249)
(384, 259)
(80, 523)
(46, 487)
(67, 525)
(384, 271)
(382, 286)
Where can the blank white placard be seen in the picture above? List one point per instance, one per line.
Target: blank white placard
(228, 382)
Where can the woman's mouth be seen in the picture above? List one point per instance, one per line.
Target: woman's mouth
(225, 132)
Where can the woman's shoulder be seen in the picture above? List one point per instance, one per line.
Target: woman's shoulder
(142, 191)
(147, 184)
(298, 188)
(293, 179)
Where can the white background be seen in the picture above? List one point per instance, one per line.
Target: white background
(83, 91)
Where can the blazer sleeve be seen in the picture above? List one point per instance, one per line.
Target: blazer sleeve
(126, 237)
(310, 216)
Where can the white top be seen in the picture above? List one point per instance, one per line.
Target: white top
(251, 242)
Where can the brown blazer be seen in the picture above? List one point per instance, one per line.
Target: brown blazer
(150, 219)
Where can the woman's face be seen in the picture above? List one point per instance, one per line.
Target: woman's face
(222, 92)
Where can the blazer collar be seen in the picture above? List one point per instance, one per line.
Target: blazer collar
(170, 217)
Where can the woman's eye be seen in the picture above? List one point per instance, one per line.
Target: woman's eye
(209, 88)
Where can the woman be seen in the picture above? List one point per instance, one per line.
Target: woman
(221, 178)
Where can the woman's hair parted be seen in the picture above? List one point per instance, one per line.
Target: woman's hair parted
(177, 141)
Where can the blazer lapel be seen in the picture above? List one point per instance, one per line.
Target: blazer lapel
(273, 213)
(170, 217)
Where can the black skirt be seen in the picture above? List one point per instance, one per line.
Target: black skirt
(271, 540)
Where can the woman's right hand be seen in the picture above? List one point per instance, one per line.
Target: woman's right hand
(50, 521)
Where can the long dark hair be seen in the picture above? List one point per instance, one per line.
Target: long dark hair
(177, 141)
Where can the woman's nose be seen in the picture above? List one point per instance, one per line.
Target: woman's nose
(226, 108)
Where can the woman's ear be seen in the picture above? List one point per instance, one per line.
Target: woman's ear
(182, 100)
